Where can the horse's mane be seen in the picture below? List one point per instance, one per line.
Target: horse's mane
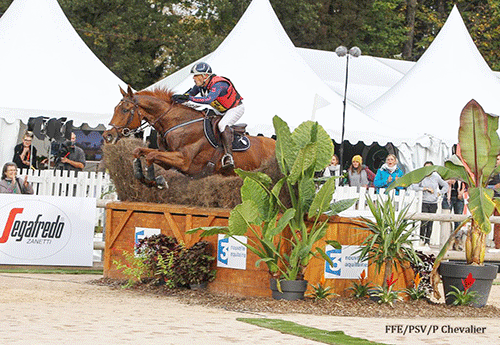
(161, 93)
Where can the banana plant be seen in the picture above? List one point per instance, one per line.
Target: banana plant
(285, 236)
(474, 164)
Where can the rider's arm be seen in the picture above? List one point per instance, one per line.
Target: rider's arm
(193, 91)
(217, 89)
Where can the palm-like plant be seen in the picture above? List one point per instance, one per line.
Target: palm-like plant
(474, 164)
(389, 243)
(299, 155)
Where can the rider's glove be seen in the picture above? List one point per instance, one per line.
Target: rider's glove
(180, 98)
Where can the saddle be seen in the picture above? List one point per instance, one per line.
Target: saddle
(240, 141)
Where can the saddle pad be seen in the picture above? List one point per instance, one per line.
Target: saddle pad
(240, 142)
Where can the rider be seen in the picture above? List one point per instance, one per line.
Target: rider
(220, 93)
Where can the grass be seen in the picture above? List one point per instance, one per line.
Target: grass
(51, 271)
(311, 333)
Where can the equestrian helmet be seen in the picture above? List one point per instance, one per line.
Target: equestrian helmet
(201, 68)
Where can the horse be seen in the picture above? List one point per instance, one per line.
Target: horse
(182, 142)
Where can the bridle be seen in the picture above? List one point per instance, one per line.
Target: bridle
(125, 131)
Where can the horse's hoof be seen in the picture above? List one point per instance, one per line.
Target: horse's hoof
(137, 165)
(160, 182)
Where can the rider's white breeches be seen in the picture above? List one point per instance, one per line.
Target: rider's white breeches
(231, 117)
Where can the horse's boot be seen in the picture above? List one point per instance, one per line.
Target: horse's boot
(137, 165)
(227, 142)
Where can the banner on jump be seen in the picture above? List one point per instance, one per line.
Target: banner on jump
(46, 230)
(346, 264)
(231, 253)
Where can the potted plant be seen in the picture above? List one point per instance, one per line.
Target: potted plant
(473, 164)
(285, 236)
(389, 243)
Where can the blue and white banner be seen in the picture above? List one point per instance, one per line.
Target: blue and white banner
(46, 230)
(231, 253)
(141, 233)
(346, 264)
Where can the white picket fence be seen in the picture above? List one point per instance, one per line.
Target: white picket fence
(401, 199)
(84, 184)
(99, 185)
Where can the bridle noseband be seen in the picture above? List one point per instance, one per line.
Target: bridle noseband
(124, 130)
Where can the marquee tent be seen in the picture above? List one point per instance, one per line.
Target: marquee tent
(274, 79)
(369, 77)
(428, 100)
(47, 70)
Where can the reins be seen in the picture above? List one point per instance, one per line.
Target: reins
(145, 123)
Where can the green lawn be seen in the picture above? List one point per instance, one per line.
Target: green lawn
(316, 334)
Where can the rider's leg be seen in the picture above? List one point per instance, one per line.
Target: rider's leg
(230, 118)
(227, 141)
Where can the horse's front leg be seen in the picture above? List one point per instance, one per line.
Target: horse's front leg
(149, 180)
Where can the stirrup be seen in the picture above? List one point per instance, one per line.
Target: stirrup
(230, 163)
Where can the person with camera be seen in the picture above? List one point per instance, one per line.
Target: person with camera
(12, 184)
(70, 156)
(25, 153)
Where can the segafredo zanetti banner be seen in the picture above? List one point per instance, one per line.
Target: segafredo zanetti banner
(46, 230)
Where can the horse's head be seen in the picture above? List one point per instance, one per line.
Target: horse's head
(126, 118)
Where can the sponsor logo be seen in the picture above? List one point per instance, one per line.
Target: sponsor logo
(33, 232)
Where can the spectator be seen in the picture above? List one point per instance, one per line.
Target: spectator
(70, 156)
(388, 173)
(494, 184)
(25, 153)
(454, 200)
(12, 184)
(432, 187)
(357, 174)
(333, 169)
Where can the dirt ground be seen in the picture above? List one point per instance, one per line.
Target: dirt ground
(86, 309)
(339, 306)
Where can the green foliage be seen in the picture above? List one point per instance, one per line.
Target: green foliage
(385, 294)
(168, 262)
(479, 145)
(321, 292)
(465, 297)
(389, 242)
(361, 288)
(198, 263)
(299, 155)
(417, 291)
(135, 267)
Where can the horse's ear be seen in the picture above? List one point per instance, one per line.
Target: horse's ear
(122, 91)
(130, 92)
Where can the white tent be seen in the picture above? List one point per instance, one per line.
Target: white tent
(429, 98)
(369, 77)
(47, 70)
(274, 79)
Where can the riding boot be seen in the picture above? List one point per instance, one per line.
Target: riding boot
(227, 143)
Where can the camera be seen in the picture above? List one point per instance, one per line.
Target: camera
(65, 149)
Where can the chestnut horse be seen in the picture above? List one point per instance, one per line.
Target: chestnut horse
(181, 137)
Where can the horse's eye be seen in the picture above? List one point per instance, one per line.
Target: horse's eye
(125, 110)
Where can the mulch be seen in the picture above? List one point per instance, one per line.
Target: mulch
(336, 306)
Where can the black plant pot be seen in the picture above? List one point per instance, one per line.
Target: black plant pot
(453, 273)
(292, 290)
